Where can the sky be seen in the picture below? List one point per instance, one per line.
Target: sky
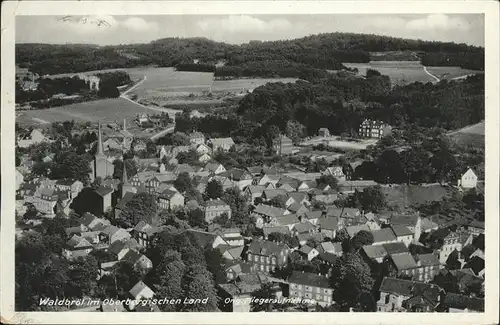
(237, 29)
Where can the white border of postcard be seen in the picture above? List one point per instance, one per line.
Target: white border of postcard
(11, 8)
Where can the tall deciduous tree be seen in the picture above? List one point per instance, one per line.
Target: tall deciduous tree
(213, 190)
(198, 284)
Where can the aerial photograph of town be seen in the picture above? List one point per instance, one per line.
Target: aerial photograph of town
(250, 163)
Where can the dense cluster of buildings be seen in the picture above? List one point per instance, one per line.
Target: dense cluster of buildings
(415, 249)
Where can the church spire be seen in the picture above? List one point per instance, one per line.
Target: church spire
(100, 150)
(124, 174)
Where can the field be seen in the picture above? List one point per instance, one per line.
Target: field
(242, 85)
(400, 72)
(106, 110)
(405, 196)
(472, 135)
(335, 142)
(451, 72)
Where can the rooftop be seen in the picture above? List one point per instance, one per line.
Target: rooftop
(309, 279)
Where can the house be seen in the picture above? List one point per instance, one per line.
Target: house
(111, 144)
(328, 226)
(458, 303)
(77, 246)
(266, 255)
(476, 264)
(214, 168)
(287, 220)
(351, 186)
(329, 247)
(403, 234)
(35, 137)
(115, 234)
(297, 209)
(275, 229)
(254, 191)
(304, 227)
(46, 199)
(383, 236)
(19, 179)
(271, 194)
(204, 238)
(197, 138)
(139, 261)
(374, 129)
(324, 132)
(297, 197)
(428, 267)
(233, 269)
(304, 285)
(395, 248)
(140, 291)
(214, 208)
(267, 179)
(468, 179)
(374, 252)
(263, 214)
(120, 248)
(223, 144)
(454, 240)
(143, 233)
(71, 186)
(170, 200)
(204, 158)
(308, 252)
(353, 230)
(232, 236)
(312, 216)
(396, 296)
(203, 149)
(335, 171)
(235, 296)
(283, 145)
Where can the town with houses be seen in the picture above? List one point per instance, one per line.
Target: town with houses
(306, 231)
(341, 191)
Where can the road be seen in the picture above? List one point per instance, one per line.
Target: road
(133, 87)
(162, 133)
(430, 74)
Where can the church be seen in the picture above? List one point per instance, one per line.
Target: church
(101, 166)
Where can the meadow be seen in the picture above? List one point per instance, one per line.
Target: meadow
(451, 72)
(472, 135)
(400, 72)
(105, 110)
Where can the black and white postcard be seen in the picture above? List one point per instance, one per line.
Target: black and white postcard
(305, 162)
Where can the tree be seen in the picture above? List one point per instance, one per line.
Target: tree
(108, 91)
(142, 206)
(213, 190)
(169, 273)
(278, 201)
(361, 238)
(198, 284)
(238, 203)
(183, 182)
(350, 280)
(125, 277)
(373, 199)
(329, 180)
(292, 241)
(83, 273)
(295, 130)
(215, 263)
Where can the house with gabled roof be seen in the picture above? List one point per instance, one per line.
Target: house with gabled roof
(287, 220)
(335, 171)
(204, 238)
(77, 246)
(140, 291)
(305, 285)
(223, 144)
(170, 200)
(196, 138)
(330, 247)
(308, 252)
(468, 179)
(304, 227)
(272, 193)
(263, 214)
(139, 261)
(383, 236)
(266, 255)
(312, 216)
(214, 208)
(214, 168)
(297, 208)
(328, 226)
(374, 252)
(395, 295)
(114, 233)
(403, 234)
(275, 229)
(254, 191)
(459, 303)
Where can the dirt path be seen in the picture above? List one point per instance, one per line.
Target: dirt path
(465, 129)
(39, 120)
(430, 74)
(133, 87)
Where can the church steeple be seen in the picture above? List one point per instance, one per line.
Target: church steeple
(124, 174)
(100, 150)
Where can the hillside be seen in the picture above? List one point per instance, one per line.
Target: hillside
(323, 51)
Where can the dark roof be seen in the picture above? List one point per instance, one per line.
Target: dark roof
(132, 257)
(203, 237)
(327, 257)
(457, 301)
(103, 191)
(400, 230)
(403, 287)
(404, 220)
(269, 210)
(309, 279)
(395, 248)
(404, 261)
(476, 264)
(125, 199)
(279, 229)
(266, 247)
(374, 251)
(427, 259)
(328, 223)
(381, 235)
(478, 242)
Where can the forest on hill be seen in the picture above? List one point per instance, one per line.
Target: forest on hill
(283, 58)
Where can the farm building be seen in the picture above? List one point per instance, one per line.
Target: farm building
(374, 129)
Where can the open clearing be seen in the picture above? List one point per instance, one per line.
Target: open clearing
(451, 72)
(105, 110)
(472, 135)
(400, 72)
(335, 142)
